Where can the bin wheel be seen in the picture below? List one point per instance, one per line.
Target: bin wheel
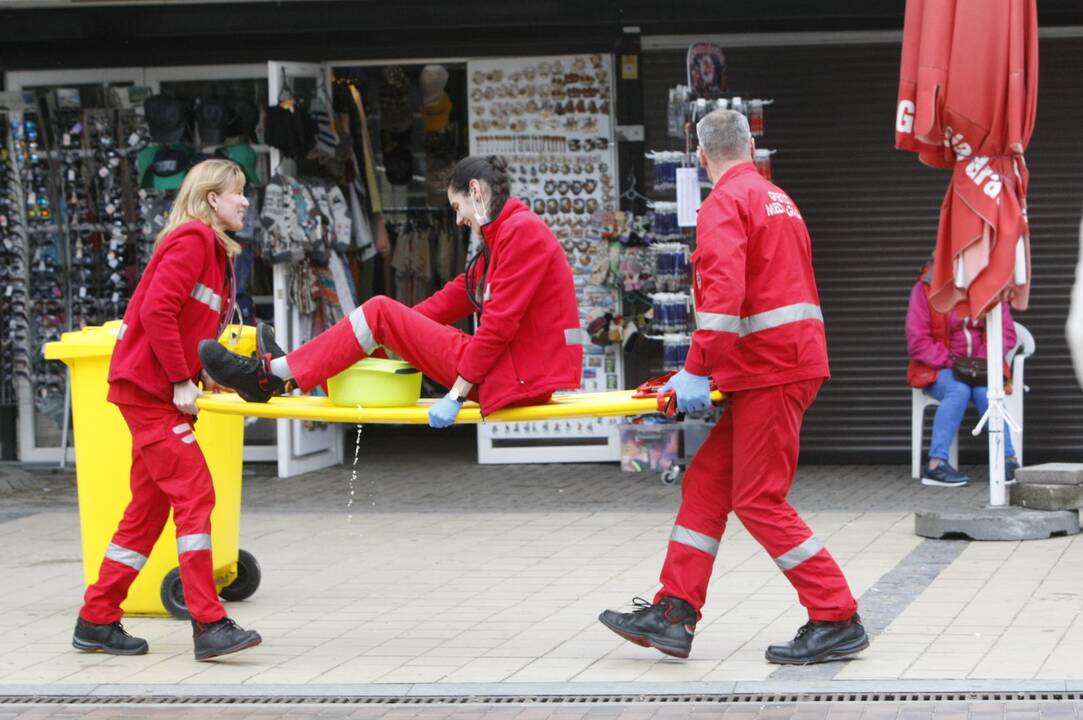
(248, 578)
(173, 595)
(672, 475)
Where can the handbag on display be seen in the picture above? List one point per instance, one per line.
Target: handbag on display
(970, 370)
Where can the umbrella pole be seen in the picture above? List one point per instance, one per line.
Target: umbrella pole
(994, 325)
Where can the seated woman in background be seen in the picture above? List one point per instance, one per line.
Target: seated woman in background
(940, 346)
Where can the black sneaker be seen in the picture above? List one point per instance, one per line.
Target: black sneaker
(943, 475)
(109, 638)
(222, 637)
(265, 343)
(249, 377)
(820, 642)
(668, 625)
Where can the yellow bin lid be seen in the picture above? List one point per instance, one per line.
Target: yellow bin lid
(92, 341)
(98, 341)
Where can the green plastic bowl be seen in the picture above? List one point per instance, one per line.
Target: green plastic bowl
(375, 382)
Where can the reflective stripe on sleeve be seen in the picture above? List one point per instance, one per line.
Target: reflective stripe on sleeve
(573, 336)
(121, 330)
(124, 556)
(207, 296)
(760, 321)
(188, 543)
(183, 427)
(188, 439)
(697, 540)
(718, 322)
(362, 331)
(780, 316)
(801, 553)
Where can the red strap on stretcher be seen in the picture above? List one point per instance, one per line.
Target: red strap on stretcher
(667, 401)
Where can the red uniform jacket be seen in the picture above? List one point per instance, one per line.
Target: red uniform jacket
(758, 312)
(181, 300)
(528, 342)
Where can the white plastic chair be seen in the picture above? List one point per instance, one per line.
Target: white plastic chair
(920, 400)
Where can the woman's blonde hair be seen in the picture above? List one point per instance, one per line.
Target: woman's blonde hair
(217, 176)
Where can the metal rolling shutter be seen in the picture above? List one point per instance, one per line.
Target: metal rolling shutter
(872, 212)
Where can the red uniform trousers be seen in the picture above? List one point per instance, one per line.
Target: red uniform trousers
(747, 465)
(168, 470)
(431, 347)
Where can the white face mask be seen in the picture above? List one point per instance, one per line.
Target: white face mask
(479, 204)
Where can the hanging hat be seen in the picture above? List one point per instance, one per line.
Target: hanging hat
(394, 96)
(163, 167)
(166, 117)
(241, 118)
(246, 157)
(437, 115)
(399, 165)
(211, 117)
(433, 82)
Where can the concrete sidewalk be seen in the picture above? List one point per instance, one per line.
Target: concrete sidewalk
(446, 577)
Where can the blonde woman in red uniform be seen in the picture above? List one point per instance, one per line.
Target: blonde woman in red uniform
(183, 297)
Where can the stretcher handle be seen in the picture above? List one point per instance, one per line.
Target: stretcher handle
(667, 401)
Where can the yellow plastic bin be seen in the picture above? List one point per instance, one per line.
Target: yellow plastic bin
(103, 449)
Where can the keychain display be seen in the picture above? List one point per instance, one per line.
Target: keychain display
(551, 119)
(675, 350)
(670, 266)
(685, 109)
(669, 312)
(664, 221)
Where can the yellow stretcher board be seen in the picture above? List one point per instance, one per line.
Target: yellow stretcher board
(305, 407)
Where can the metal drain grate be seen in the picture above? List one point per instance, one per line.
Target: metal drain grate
(761, 699)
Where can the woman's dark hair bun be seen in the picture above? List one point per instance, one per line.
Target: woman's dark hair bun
(498, 162)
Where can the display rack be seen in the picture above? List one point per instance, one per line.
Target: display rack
(552, 119)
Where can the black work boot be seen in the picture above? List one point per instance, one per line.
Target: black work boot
(821, 641)
(222, 637)
(668, 625)
(250, 377)
(109, 638)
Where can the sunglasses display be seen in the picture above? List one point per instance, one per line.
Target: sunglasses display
(72, 237)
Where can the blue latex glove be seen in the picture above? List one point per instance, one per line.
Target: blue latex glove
(444, 411)
(693, 391)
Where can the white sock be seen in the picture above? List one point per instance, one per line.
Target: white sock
(281, 369)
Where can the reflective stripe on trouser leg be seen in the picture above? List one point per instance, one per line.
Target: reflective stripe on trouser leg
(119, 569)
(200, 592)
(693, 539)
(362, 331)
(124, 556)
(701, 521)
(188, 543)
(805, 551)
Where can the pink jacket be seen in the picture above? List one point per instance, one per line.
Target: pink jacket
(967, 335)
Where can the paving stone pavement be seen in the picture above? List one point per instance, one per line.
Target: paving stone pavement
(439, 573)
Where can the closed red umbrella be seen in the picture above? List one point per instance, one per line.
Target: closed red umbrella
(967, 98)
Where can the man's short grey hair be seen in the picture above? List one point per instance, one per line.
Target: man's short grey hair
(724, 135)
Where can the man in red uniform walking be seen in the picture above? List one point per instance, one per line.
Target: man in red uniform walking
(760, 337)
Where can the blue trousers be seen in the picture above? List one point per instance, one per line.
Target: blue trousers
(954, 396)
